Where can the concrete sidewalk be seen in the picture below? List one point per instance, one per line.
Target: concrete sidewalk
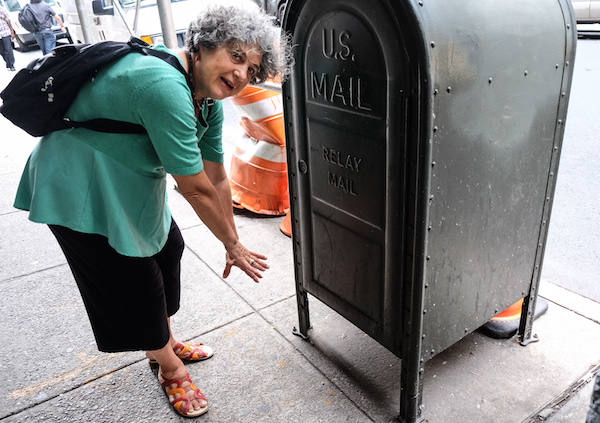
(261, 372)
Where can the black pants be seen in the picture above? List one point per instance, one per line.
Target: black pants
(6, 51)
(127, 299)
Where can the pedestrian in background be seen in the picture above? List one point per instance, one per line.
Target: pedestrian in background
(7, 34)
(44, 36)
(103, 195)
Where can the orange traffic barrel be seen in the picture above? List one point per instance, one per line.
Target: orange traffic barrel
(505, 324)
(258, 172)
(261, 114)
(286, 225)
(258, 177)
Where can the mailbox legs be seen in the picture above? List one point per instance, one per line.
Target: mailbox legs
(303, 314)
(411, 389)
(412, 367)
(525, 334)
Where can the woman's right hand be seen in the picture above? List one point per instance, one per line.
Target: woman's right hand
(250, 262)
(200, 192)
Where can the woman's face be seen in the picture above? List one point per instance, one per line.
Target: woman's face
(224, 72)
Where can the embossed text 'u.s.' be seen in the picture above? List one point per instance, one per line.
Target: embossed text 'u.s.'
(338, 89)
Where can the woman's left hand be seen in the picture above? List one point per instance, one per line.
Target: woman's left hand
(250, 262)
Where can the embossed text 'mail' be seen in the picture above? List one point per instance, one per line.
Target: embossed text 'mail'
(339, 89)
(345, 184)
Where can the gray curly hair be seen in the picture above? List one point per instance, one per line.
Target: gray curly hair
(236, 27)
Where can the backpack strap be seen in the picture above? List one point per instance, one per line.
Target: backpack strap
(210, 103)
(171, 59)
(107, 125)
(120, 127)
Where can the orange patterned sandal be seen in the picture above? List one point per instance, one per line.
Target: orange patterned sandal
(192, 351)
(188, 352)
(179, 400)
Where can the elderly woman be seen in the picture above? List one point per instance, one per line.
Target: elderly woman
(104, 195)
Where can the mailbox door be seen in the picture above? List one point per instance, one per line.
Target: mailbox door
(347, 113)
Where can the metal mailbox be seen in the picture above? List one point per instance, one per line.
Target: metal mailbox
(423, 141)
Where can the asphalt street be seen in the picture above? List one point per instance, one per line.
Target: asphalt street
(572, 258)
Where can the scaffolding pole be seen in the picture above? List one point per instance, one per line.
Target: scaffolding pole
(166, 23)
(84, 22)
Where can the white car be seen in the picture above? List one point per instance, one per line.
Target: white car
(25, 39)
(587, 11)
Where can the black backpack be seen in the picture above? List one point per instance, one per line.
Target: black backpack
(27, 19)
(38, 97)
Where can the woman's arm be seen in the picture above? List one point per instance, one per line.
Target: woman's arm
(202, 195)
(218, 177)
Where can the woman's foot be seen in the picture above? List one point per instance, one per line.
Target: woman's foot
(185, 398)
(186, 351)
(192, 351)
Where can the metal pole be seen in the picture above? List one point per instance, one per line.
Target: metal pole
(83, 20)
(138, 4)
(122, 14)
(166, 23)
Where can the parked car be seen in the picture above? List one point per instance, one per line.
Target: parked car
(587, 11)
(25, 39)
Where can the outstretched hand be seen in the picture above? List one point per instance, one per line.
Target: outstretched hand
(250, 262)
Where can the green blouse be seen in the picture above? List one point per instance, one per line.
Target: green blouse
(115, 184)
